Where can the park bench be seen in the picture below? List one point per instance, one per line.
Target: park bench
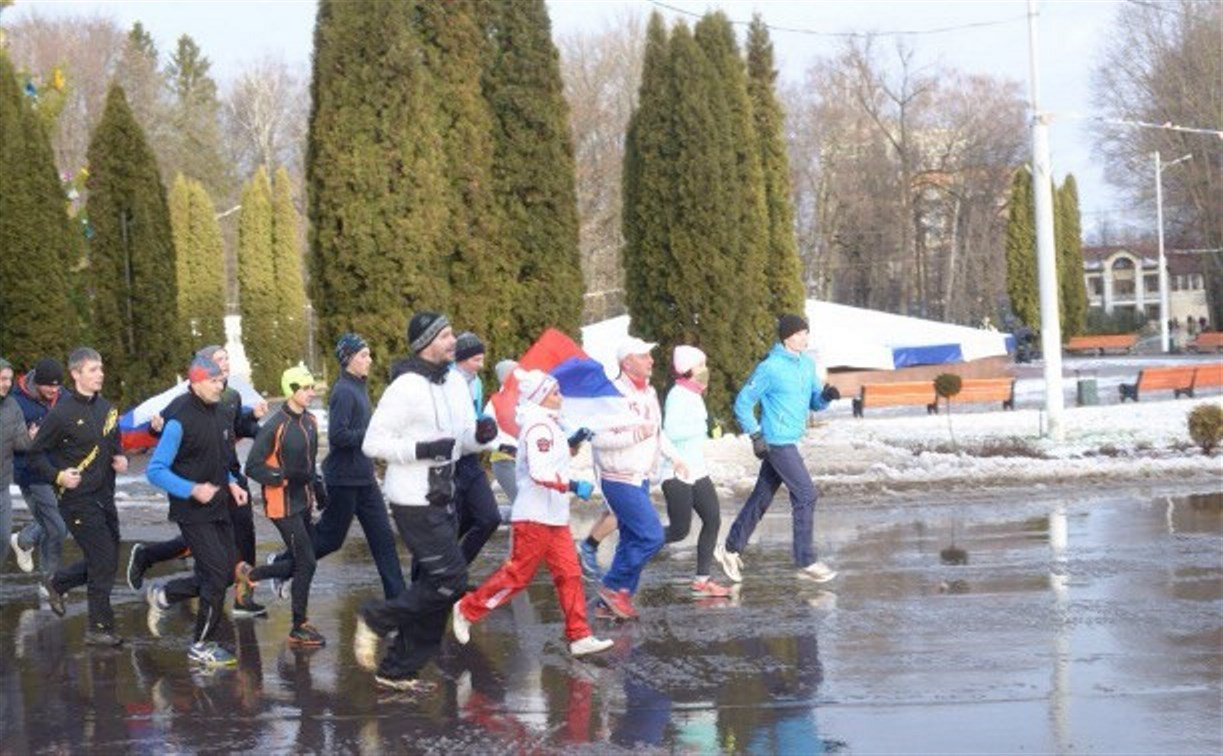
(1119, 342)
(896, 394)
(1178, 379)
(977, 390)
(1207, 341)
(1207, 376)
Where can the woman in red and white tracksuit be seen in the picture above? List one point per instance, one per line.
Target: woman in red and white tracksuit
(540, 520)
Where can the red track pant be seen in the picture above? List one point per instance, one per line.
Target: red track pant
(534, 543)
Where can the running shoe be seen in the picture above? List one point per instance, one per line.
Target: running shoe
(102, 638)
(817, 572)
(305, 635)
(280, 588)
(589, 557)
(210, 654)
(706, 588)
(460, 625)
(620, 602)
(589, 645)
(405, 684)
(155, 597)
(55, 599)
(136, 567)
(25, 557)
(244, 593)
(732, 563)
(365, 645)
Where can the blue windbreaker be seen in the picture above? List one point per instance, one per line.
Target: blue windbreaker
(785, 387)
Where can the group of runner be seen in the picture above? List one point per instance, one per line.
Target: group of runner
(430, 428)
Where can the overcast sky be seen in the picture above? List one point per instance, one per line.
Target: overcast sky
(1072, 35)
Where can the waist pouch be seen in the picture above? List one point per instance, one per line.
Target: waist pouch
(441, 485)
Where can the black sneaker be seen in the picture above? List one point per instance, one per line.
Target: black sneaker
(249, 608)
(136, 567)
(103, 638)
(55, 599)
(305, 635)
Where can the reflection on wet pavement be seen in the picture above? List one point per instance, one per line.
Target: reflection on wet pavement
(1087, 625)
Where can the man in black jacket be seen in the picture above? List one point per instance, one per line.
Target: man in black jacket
(77, 448)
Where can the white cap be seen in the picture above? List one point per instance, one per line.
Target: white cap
(503, 370)
(633, 345)
(686, 358)
(534, 386)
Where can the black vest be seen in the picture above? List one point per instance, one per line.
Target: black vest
(203, 456)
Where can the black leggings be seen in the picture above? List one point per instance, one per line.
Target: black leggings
(682, 498)
(298, 533)
(212, 547)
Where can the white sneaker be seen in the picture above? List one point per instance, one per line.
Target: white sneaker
(731, 563)
(25, 557)
(365, 645)
(280, 588)
(589, 645)
(155, 597)
(461, 626)
(818, 572)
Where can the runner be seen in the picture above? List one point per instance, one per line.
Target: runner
(282, 460)
(785, 386)
(474, 502)
(36, 393)
(686, 423)
(540, 520)
(13, 437)
(77, 447)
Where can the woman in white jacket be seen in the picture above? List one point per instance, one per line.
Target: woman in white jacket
(685, 422)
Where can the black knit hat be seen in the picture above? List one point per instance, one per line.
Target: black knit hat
(47, 372)
(788, 325)
(423, 328)
(467, 346)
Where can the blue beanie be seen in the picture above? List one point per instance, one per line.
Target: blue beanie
(347, 347)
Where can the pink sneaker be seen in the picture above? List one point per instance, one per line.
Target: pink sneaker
(708, 589)
(620, 602)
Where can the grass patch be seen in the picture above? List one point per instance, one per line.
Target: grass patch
(1012, 446)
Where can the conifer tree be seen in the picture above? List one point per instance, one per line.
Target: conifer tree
(1021, 282)
(200, 262)
(195, 146)
(784, 268)
(1073, 297)
(373, 176)
(38, 244)
(290, 341)
(533, 172)
(131, 258)
(257, 295)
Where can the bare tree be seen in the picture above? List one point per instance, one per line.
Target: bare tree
(266, 109)
(602, 71)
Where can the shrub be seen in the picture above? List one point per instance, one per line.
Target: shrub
(1100, 322)
(1206, 426)
(948, 385)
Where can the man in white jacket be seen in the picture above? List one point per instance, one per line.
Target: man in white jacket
(423, 424)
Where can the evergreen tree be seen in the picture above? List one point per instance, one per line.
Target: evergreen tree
(1073, 299)
(200, 262)
(195, 146)
(257, 295)
(38, 244)
(143, 82)
(784, 268)
(373, 176)
(533, 172)
(291, 325)
(1021, 281)
(132, 266)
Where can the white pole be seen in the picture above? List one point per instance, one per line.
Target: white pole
(1046, 255)
(1163, 264)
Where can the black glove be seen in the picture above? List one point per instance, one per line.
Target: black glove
(439, 450)
(509, 449)
(320, 494)
(830, 393)
(759, 446)
(486, 430)
(581, 436)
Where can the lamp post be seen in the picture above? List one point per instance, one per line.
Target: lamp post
(1164, 346)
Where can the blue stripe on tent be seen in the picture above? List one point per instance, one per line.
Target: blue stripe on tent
(933, 354)
(1010, 344)
(583, 377)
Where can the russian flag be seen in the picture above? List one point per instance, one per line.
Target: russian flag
(134, 431)
(590, 399)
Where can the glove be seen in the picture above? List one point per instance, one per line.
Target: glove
(440, 450)
(486, 429)
(581, 436)
(759, 446)
(583, 488)
(320, 494)
(830, 393)
(509, 449)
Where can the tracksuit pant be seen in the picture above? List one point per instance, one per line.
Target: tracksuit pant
(475, 505)
(366, 503)
(682, 498)
(420, 612)
(641, 533)
(782, 465)
(298, 534)
(243, 520)
(48, 529)
(214, 554)
(95, 527)
(533, 543)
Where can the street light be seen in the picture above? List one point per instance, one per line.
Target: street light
(1163, 264)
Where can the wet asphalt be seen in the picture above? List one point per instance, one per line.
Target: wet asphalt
(1002, 623)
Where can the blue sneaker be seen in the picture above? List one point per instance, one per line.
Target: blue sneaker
(589, 557)
(209, 654)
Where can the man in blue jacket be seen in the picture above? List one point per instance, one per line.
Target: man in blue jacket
(785, 387)
(36, 393)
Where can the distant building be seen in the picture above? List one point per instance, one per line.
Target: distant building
(1127, 278)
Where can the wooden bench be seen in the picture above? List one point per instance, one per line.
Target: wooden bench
(1207, 341)
(1207, 376)
(975, 390)
(1178, 379)
(896, 394)
(1119, 342)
